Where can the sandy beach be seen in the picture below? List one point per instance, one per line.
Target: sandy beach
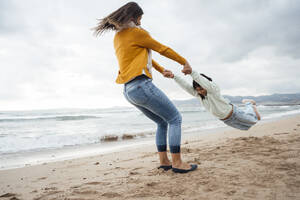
(262, 163)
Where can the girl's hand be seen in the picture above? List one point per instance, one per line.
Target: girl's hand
(168, 74)
(187, 69)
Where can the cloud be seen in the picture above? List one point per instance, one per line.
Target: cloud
(49, 57)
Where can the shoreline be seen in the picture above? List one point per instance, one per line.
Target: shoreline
(262, 163)
(32, 158)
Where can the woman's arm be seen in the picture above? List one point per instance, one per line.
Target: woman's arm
(144, 39)
(186, 86)
(157, 66)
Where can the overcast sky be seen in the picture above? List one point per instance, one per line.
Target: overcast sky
(50, 59)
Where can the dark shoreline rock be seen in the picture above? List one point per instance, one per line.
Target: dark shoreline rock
(109, 138)
(128, 136)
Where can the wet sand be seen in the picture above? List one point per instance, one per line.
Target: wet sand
(262, 163)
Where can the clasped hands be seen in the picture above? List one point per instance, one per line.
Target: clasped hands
(187, 69)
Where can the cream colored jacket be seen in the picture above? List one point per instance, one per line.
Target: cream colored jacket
(214, 102)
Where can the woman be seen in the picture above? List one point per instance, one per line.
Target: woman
(133, 47)
(209, 95)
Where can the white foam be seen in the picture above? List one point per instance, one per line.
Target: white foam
(281, 114)
(35, 158)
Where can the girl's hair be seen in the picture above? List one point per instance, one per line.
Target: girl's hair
(129, 12)
(195, 84)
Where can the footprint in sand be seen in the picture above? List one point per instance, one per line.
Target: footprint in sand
(7, 195)
(133, 173)
(151, 184)
(47, 194)
(137, 168)
(76, 186)
(281, 133)
(97, 183)
(111, 194)
(50, 188)
(186, 150)
(230, 193)
(14, 198)
(85, 192)
(42, 178)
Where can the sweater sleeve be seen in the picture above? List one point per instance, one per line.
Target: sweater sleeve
(186, 86)
(206, 84)
(144, 39)
(157, 66)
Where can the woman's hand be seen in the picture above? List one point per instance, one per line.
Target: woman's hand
(187, 69)
(168, 74)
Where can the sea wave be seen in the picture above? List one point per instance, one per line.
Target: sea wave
(281, 114)
(11, 143)
(58, 118)
(192, 111)
(273, 107)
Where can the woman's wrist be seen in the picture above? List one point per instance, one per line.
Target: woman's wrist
(187, 69)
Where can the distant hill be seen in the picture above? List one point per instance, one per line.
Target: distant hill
(274, 99)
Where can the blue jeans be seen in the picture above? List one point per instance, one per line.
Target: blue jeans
(242, 119)
(146, 97)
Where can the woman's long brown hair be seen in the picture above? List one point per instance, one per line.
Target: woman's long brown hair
(129, 12)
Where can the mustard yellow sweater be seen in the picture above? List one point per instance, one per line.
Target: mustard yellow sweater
(131, 46)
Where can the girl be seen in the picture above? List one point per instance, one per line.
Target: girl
(133, 47)
(210, 97)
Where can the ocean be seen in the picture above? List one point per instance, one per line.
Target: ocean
(33, 137)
